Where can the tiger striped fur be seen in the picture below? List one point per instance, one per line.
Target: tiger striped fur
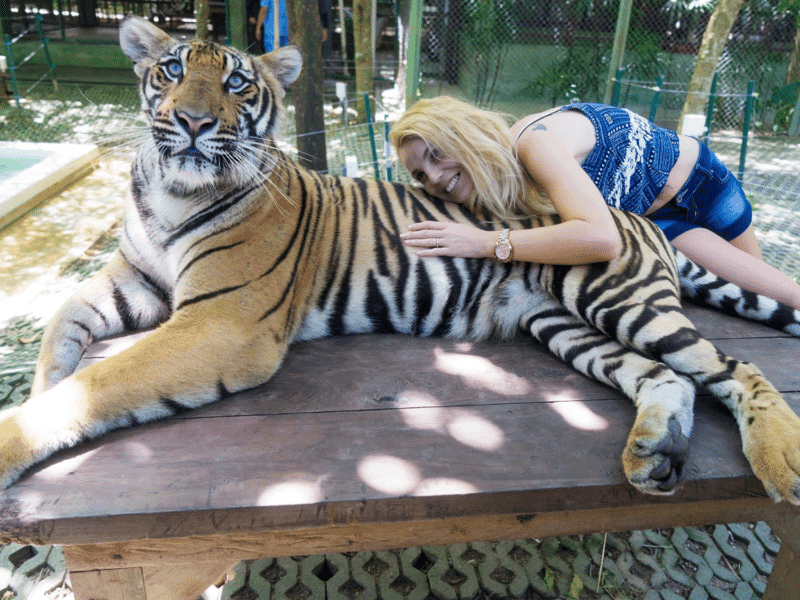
(232, 250)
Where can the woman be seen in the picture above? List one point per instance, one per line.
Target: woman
(577, 160)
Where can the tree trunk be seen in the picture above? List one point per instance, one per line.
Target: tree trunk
(793, 74)
(362, 35)
(201, 12)
(714, 39)
(305, 31)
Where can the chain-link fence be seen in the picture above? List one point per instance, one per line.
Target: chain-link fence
(557, 51)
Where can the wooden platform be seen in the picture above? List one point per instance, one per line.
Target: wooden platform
(376, 442)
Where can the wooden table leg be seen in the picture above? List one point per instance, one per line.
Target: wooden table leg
(170, 582)
(112, 584)
(182, 582)
(784, 581)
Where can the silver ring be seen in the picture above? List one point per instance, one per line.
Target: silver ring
(437, 243)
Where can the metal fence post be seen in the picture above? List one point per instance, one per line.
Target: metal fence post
(710, 111)
(748, 111)
(617, 87)
(656, 98)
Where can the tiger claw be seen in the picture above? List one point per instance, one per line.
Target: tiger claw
(657, 468)
(675, 448)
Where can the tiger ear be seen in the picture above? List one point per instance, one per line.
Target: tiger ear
(285, 63)
(142, 42)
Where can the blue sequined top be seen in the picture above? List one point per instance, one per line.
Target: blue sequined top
(632, 157)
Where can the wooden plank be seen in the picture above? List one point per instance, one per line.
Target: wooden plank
(356, 536)
(115, 584)
(176, 468)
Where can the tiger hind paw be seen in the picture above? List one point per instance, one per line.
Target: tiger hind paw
(771, 441)
(654, 457)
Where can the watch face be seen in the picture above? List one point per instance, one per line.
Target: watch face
(502, 251)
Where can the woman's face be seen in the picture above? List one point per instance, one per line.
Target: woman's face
(439, 175)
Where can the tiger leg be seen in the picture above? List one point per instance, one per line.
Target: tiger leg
(658, 444)
(214, 358)
(115, 300)
(769, 427)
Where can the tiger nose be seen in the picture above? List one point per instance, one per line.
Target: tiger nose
(194, 125)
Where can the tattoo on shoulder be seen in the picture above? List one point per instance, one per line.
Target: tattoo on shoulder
(538, 127)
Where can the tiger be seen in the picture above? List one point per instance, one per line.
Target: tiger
(231, 252)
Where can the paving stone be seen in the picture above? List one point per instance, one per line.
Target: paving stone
(534, 566)
(463, 561)
(723, 536)
(761, 557)
(561, 569)
(309, 585)
(594, 545)
(500, 574)
(408, 557)
(443, 579)
(766, 536)
(744, 591)
(719, 594)
(388, 576)
(698, 593)
(31, 571)
(349, 580)
(703, 573)
(363, 578)
(647, 556)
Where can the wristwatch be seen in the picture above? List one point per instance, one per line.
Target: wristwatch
(503, 250)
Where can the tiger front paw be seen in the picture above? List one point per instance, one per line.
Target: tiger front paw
(656, 452)
(771, 442)
(15, 456)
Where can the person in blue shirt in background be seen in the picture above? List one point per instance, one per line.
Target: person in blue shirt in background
(265, 25)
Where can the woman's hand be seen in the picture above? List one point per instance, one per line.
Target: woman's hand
(434, 238)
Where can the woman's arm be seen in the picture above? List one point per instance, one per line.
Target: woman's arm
(587, 234)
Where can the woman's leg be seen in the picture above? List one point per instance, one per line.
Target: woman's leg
(739, 262)
(747, 241)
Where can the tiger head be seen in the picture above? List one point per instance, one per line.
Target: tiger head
(212, 110)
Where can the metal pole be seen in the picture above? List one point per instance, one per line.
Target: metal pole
(414, 47)
(387, 149)
(12, 69)
(372, 136)
(710, 112)
(748, 110)
(794, 126)
(617, 87)
(343, 37)
(656, 98)
(620, 38)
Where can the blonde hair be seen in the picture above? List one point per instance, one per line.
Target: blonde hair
(479, 141)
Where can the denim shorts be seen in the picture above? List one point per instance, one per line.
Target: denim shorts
(712, 198)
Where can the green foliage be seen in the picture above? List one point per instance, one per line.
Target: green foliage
(575, 587)
(549, 579)
(579, 76)
(646, 58)
(487, 30)
(783, 100)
